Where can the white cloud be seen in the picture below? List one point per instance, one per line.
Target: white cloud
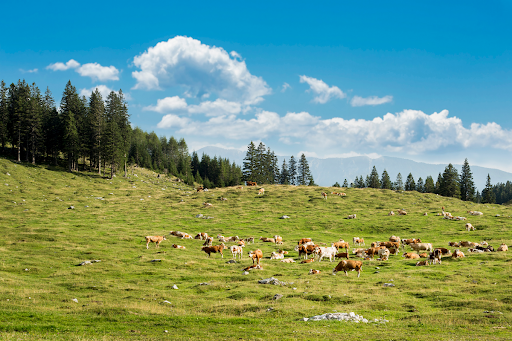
(104, 91)
(285, 87)
(29, 71)
(168, 104)
(200, 69)
(179, 105)
(373, 100)
(98, 73)
(324, 92)
(173, 121)
(71, 64)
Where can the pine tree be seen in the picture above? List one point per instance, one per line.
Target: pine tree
(284, 178)
(399, 184)
(467, 186)
(4, 115)
(96, 128)
(260, 174)
(374, 179)
(439, 184)
(386, 181)
(69, 105)
(345, 183)
(410, 184)
(488, 196)
(304, 175)
(420, 186)
(429, 185)
(450, 186)
(292, 171)
(249, 168)
(336, 184)
(33, 122)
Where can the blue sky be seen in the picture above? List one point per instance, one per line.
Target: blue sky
(426, 81)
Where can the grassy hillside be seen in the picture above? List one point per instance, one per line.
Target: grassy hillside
(122, 297)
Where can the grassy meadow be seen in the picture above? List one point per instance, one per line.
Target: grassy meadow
(45, 295)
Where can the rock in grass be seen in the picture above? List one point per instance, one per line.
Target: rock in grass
(199, 215)
(74, 300)
(284, 217)
(87, 262)
(277, 296)
(388, 285)
(175, 286)
(166, 302)
(231, 261)
(271, 280)
(156, 260)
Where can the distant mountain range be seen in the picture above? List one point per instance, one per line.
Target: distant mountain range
(326, 172)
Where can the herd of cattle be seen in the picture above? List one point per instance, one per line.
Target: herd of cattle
(309, 252)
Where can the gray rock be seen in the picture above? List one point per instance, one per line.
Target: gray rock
(166, 302)
(388, 285)
(231, 261)
(74, 300)
(271, 280)
(156, 260)
(284, 217)
(199, 215)
(175, 286)
(277, 296)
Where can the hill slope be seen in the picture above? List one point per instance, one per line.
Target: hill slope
(128, 294)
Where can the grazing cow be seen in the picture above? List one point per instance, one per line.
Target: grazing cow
(288, 260)
(352, 216)
(261, 191)
(503, 247)
(390, 244)
(384, 254)
(311, 260)
(391, 213)
(469, 227)
(249, 240)
(251, 183)
(208, 241)
(304, 240)
(395, 239)
(411, 255)
(276, 255)
(421, 246)
(358, 241)
(305, 250)
(324, 195)
(176, 246)
(268, 240)
(435, 257)
(422, 263)
(372, 252)
(154, 239)
(342, 255)
(458, 254)
(237, 250)
(453, 244)
(314, 272)
(402, 212)
(394, 250)
(326, 252)
(256, 255)
(241, 243)
(349, 265)
(278, 239)
(253, 267)
(201, 236)
(341, 245)
(444, 251)
(214, 249)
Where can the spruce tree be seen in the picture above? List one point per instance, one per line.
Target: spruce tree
(4, 115)
(399, 184)
(336, 184)
(410, 184)
(374, 179)
(467, 186)
(249, 167)
(488, 196)
(292, 171)
(345, 183)
(386, 181)
(304, 175)
(429, 185)
(284, 177)
(69, 106)
(96, 128)
(450, 186)
(420, 186)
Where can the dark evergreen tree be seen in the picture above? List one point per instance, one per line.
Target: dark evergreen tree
(450, 186)
(488, 196)
(420, 186)
(399, 184)
(429, 185)
(439, 184)
(336, 184)
(410, 184)
(374, 179)
(249, 167)
(284, 178)
(467, 186)
(303, 173)
(385, 182)
(69, 105)
(4, 115)
(345, 183)
(292, 171)
(96, 118)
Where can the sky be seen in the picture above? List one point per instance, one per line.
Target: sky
(426, 81)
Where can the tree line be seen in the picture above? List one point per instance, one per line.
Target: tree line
(95, 134)
(261, 165)
(448, 184)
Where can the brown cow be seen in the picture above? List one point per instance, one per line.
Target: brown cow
(304, 241)
(311, 260)
(411, 255)
(349, 265)
(341, 245)
(251, 183)
(342, 255)
(256, 255)
(214, 249)
(268, 240)
(154, 239)
(253, 267)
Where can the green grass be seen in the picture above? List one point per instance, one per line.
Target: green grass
(122, 296)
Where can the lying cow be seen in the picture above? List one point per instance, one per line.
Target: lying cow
(268, 240)
(314, 272)
(154, 239)
(421, 246)
(503, 247)
(458, 254)
(253, 267)
(176, 246)
(349, 265)
(411, 255)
